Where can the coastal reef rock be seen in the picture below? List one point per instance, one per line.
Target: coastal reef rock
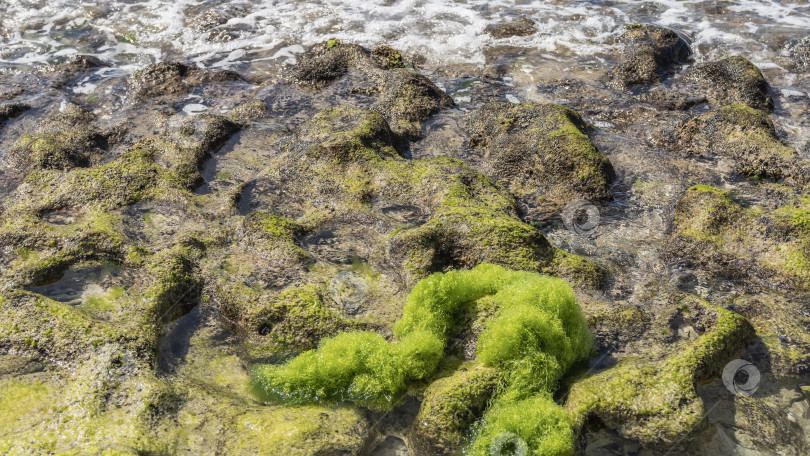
(764, 250)
(405, 97)
(649, 54)
(539, 151)
(167, 79)
(346, 184)
(63, 140)
(748, 137)
(653, 400)
(733, 80)
(522, 26)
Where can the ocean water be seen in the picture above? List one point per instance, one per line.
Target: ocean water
(258, 34)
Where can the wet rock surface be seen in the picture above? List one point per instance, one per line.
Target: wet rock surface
(734, 80)
(168, 232)
(650, 54)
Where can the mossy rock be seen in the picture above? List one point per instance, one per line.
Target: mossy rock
(654, 402)
(345, 157)
(733, 80)
(650, 53)
(408, 99)
(189, 143)
(172, 79)
(43, 327)
(748, 137)
(450, 407)
(331, 59)
(278, 325)
(109, 405)
(783, 330)
(63, 140)
(714, 231)
(540, 150)
(343, 135)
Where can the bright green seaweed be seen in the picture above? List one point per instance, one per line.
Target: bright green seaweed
(537, 334)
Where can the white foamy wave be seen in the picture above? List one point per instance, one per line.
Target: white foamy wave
(212, 33)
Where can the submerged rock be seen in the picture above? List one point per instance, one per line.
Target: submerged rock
(733, 80)
(748, 137)
(650, 53)
(539, 151)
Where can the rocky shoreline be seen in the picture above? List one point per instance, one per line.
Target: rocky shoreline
(153, 255)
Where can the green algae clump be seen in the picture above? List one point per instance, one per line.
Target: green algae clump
(537, 334)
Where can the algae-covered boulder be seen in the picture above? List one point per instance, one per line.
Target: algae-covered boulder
(450, 407)
(761, 250)
(327, 61)
(63, 140)
(733, 80)
(653, 401)
(409, 98)
(650, 53)
(189, 142)
(748, 137)
(784, 330)
(540, 151)
(715, 232)
(404, 96)
(166, 79)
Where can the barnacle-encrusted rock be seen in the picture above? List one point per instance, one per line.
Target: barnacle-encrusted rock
(650, 53)
(539, 151)
(734, 80)
(748, 137)
(654, 401)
